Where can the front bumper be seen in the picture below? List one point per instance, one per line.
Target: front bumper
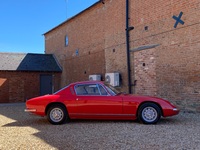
(176, 109)
(172, 112)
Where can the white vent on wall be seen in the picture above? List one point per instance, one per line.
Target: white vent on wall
(95, 77)
(112, 79)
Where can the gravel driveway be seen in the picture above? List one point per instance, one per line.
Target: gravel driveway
(19, 130)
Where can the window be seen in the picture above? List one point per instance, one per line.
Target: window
(80, 90)
(102, 90)
(90, 89)
(66, 40)
(77, 52)
(112, 91)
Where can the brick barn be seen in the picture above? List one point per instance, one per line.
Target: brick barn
(23, 76)
(164, 47)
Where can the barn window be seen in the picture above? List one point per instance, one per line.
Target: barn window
(66, 40)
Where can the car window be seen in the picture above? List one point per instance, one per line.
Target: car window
(80, 90)
(87, 89)
(102, 90)
(112, 91)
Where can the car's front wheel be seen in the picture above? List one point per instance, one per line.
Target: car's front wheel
(149, 113)
(57, 114)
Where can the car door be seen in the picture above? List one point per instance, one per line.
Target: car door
(92, 100)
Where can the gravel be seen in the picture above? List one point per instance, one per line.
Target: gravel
(19, 130)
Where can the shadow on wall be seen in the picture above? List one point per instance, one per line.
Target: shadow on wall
(4, 96)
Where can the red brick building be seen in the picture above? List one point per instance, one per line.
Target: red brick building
(24, 76)
(164, 45)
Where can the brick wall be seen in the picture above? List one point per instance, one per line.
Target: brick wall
(145, 72)
(19, 86)
(176, 64)
(170, 70)
(98, 34)
(85, 34)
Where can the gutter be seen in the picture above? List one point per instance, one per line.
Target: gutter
(128, 29)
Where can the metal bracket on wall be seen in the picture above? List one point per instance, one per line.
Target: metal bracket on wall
(102, 1)
(144, 47)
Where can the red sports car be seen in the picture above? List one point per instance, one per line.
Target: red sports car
(95, 100)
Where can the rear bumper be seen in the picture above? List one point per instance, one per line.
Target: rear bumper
(32, 110)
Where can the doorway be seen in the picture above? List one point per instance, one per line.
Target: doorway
(46, 84)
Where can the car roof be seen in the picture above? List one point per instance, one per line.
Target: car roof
(88, 82)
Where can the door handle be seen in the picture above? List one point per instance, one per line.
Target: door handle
(77, 99)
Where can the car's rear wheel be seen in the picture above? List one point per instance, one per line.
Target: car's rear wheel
(57, 114)
(149, 113)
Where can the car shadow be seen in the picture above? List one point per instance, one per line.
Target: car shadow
(67, 136)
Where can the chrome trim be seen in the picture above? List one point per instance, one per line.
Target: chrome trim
(84, 114)
(30, 110)
(100, 90)
(175, 109)
(93, 95)
(61, 89)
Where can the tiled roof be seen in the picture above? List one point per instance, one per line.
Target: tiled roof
(29, 62)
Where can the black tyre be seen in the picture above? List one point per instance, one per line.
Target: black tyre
(57, 114)
(149, 113)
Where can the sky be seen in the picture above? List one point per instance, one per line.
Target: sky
(23, 22)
